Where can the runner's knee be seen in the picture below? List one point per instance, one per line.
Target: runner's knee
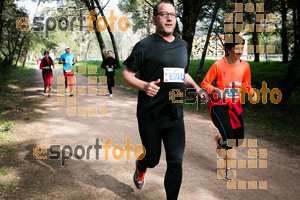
(152, 162)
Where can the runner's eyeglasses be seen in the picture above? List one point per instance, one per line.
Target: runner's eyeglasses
(166, 14)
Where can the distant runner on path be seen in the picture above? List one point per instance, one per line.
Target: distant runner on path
(45, 65)
(110, 64)
(68, 61)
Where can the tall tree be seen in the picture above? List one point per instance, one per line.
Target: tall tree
(191, 10)
(112, 37)
(90, 4)
(285, 48)
(216, 8)
(294, 66)
(141, 11)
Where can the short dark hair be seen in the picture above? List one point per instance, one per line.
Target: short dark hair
(228, 46)
(109, 51)
(155, 8)
(46, 52)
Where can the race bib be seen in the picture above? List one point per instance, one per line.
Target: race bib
(232, 92)
(110, 69)
(236, 84)
(173, 75)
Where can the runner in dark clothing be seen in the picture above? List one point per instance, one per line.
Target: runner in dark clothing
(162, 62)
(110, 64)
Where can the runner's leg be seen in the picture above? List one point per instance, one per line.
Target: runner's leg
(45, 83)
(50, 81)
(70, 79)
(239, 133)
(150, 133)
(66, 78)
(110, 82)
(174, 142)
(220, 117)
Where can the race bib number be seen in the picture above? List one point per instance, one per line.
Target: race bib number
(174, 75)
(231, 92)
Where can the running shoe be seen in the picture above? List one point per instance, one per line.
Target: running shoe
(111, 95)
(139, 178)
(66, 90)
(218, 141)
(71, 94)
(49, 94)
(45, 91)
(229, 175)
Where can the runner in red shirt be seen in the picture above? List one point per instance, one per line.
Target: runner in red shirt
(37, 59)
(230, 75)
(45, 65)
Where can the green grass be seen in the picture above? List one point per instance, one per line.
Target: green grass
(3, 172)
(14, 79)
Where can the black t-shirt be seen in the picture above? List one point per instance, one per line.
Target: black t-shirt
(46, 63)
(110, 61)
(153, 57)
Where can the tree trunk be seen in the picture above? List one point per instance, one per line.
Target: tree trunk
(87, 49)
(255, 43)
(208, 34)
(21, 48)
(112, 37)
(284, 40)
(190, 16)
(1, 20)
(294, 67)
(91, 6)
(295, 25)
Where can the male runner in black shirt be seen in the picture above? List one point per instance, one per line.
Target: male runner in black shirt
(161, 60)
(110, 64)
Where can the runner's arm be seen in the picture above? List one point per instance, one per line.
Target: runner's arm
(210, 76)
(41, 64)
(128, 77)
(190, 83)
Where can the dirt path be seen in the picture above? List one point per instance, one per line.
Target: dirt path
(41, 121)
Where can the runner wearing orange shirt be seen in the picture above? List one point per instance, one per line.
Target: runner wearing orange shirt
(224, 82)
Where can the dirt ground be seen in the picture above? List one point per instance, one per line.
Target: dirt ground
(40, 121)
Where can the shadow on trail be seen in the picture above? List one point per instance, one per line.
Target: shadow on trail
(46, 178)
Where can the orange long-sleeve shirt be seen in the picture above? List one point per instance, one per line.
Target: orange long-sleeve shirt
(226, 75)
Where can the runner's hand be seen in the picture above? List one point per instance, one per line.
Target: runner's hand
(107, 66)
(152, 88)
(254, 95)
